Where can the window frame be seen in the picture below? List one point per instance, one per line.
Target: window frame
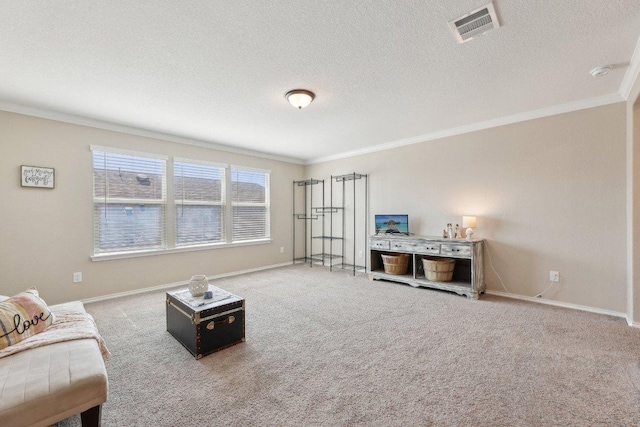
(266, 204)
(222, 203)
(109, 201)
(169, 214)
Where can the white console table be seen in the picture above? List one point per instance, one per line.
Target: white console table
(468, 275)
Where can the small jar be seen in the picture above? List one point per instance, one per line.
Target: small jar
(198, 285)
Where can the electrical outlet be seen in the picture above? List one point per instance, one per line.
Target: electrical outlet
(360, 254)
(77, 277)
(554, 276)
(282, 249)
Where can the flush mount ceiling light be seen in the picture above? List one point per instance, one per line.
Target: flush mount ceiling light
(601, 71)
(300, 98)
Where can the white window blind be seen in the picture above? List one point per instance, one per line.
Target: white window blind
(250, 204)
(129, 199)
(200, 202)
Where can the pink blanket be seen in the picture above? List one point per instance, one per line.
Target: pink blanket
(69, 325)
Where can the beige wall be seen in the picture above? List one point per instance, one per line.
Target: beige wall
(549, 194)
(46, 235)
(634, 283)
(633, 195)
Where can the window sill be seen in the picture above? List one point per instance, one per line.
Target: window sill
(151, 252)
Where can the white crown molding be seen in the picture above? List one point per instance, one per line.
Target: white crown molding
(521, 117)
(130, 130)
(631, 75)
(177, 284)
(562, 304)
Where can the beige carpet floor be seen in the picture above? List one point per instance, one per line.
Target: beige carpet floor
(329, 349)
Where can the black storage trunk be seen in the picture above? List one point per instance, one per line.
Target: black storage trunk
(208, 328)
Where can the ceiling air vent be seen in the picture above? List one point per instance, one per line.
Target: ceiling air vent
(474, 23)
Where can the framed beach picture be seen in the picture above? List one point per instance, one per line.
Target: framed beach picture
(37, 176)
(392, 224)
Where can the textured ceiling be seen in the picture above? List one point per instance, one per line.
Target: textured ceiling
(382, 71)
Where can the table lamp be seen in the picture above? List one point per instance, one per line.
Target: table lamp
(469, 222)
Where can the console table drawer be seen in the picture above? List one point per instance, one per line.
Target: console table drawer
(431, 249)
(380, 244)
(456, 250)
(402, 246)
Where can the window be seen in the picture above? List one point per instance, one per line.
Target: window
(213, 204)
(249, 204)
(129, 199)
(199, 194)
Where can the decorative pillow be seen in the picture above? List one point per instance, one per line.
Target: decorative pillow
(22, 316)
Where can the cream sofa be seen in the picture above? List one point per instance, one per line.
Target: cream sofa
(43, 385)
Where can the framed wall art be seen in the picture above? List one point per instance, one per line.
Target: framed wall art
(37, 176)
(392, 224)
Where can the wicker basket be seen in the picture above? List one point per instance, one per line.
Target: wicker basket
(438, 269)
(396, 263)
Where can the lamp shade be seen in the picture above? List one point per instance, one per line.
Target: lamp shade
(469, 221)
(300, 98)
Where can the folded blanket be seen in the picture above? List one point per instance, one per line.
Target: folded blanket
(69, 325)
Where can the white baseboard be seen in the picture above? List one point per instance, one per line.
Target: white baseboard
(268, 267)
(632, 323)
(181, 283)
(565, 305)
